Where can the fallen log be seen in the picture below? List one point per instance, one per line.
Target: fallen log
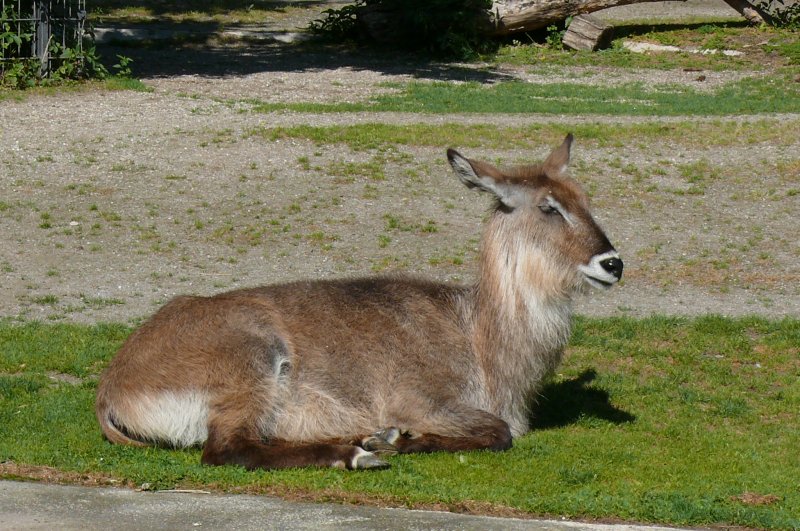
(772, 12)
(384, 21)
(514, 16)
(506, 17)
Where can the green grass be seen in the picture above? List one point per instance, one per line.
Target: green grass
(670, 420)
(758, 44)
(774, 94)
(789, 48)
(749, 96)
(690, 133)
(111, 83)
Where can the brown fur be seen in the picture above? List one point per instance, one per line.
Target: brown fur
(307, 373)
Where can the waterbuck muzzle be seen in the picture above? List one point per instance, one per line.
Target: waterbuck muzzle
(603, 270)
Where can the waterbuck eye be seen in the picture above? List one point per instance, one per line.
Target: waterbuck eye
(548, 209)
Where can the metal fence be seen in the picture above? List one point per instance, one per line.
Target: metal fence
(40, 30)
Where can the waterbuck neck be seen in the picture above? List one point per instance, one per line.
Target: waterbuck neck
(521, 278)
(522, 315)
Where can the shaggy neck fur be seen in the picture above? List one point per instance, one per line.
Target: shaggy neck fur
(522, 316)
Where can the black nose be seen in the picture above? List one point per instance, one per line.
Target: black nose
(613, 266)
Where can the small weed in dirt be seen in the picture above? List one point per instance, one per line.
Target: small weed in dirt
(45, 299)
(46, 220)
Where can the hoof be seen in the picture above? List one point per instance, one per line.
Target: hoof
(368, 460)
(382, 442)
(378, 446)
(389, 435)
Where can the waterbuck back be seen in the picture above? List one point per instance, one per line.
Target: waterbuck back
(342, 373)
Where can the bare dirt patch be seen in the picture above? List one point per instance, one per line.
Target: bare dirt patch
(113, 202)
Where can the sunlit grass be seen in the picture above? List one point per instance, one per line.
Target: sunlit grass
(749, 96)
(112, 83)
(756, 43)
(669, 420)
(691, 133)
(775, 94)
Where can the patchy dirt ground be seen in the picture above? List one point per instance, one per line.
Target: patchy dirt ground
(113, 202)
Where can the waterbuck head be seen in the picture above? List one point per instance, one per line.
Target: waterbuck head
(542, 233)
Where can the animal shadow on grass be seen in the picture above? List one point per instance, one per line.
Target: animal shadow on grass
(563, 403)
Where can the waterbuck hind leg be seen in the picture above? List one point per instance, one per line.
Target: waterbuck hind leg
(236, 437)
(486, 433)
(251, 452)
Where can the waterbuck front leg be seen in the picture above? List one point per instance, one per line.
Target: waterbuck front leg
(254, 454)
(478, 430)
(245, 448)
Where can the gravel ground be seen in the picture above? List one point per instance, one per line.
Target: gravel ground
(113, 202)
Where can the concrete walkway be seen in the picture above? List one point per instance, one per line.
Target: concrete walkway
(33, 506)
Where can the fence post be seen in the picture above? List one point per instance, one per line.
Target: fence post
(41, 41)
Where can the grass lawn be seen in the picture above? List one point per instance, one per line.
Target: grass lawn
(777, 94)
(376, 135)
(669, 420)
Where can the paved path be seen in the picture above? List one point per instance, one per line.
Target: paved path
(32, 506)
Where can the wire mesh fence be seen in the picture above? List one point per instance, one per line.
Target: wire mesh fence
(41, 34)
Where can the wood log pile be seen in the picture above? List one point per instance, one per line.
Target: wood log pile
(513, 16)
(508, 17)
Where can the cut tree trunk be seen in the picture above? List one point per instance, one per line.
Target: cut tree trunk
(513, 16)
(587, 33)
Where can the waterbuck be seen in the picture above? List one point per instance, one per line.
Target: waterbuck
(341, 373)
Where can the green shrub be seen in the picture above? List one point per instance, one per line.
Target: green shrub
(450, 28)
(783, 14)
(15, 71)
(75, 61)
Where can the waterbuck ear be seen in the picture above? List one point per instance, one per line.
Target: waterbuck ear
(486, 178)
(557, 162)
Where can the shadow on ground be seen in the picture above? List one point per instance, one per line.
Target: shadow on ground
(195, 51)
(563, 403)
(240, 59)
(194, 48)
(171, 7)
